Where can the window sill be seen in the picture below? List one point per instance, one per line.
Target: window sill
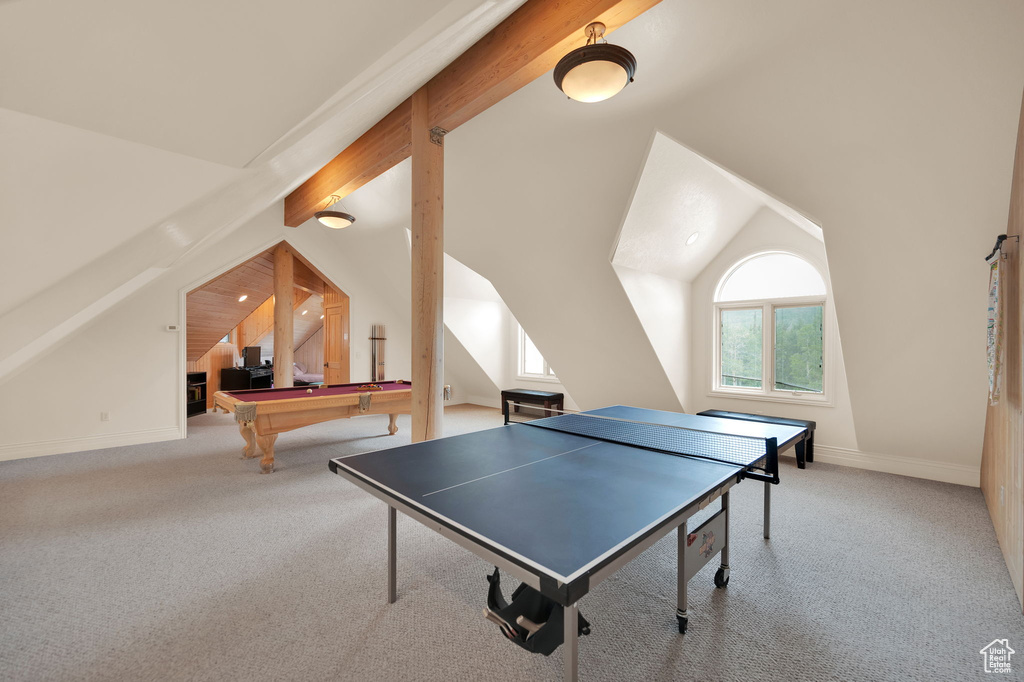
(538, 377)
(816, 400)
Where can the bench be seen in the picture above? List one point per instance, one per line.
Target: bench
(548, 399)
(804, 449)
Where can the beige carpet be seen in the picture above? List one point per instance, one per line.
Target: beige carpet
(177, 561)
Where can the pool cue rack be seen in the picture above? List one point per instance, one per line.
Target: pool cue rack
(998, 248)
(377, 338)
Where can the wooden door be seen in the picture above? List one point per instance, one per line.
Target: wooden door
(336, 337)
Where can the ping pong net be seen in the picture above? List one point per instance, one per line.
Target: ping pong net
(750, 452)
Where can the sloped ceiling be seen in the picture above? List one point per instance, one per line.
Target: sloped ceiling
(171, 101)
(213, 309)
(896, 134)
(305, 324)
(679, 194)
(179, 75)
(68, 196)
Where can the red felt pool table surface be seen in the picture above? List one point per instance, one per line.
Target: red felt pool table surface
(260, 394)
(263, 413)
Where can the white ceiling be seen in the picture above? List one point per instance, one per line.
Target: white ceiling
(219, 81)
(680, 194)
(68, 195)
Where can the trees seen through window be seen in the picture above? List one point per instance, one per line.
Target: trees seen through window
(769, 313)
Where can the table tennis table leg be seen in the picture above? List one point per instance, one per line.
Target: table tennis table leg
(767, 509)
(682, 617)
(722, 576)
(392, 555)
(570, 643)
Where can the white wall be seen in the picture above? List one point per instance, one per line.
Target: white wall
(126, 364)
(482, 324)
(767, 231)
(898, 141)
(664, 308)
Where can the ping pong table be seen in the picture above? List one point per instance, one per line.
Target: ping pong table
(562, 503)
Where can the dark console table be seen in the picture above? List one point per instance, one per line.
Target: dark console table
(244, 378)
(524, 395)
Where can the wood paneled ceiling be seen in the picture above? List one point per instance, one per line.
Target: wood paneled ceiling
(213, 309)
(305, 325)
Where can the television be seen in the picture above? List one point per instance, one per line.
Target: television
(251, 356)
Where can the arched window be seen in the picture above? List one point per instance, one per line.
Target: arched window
(770, 338)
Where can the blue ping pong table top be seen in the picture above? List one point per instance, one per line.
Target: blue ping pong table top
(558, 503)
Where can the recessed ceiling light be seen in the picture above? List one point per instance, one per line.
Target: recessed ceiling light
(243, 297)
(321, 317)
(692, 238)
(304, 312)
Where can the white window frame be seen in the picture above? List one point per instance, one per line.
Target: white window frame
(767, 391)
(549, 374)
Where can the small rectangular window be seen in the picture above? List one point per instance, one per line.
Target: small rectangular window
(798, 349)
(741, 337)
(531, 363)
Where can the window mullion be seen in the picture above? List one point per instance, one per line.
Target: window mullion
(768, 315)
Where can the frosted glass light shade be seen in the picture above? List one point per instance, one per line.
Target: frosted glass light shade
(595, 72)
(335, 220)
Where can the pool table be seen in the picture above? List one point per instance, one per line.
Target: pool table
(263, 413)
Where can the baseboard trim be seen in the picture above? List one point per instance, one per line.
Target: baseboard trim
(65, 445)
(961, 474)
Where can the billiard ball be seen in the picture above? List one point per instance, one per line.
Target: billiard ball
(309, 390)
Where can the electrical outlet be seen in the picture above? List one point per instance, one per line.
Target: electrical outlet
(104, 416)
(1002, 496)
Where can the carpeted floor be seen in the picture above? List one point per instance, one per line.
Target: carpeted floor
(177, 561)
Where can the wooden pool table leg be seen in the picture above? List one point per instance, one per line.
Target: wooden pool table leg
(392, 424)
(250, 440)
(267, 446)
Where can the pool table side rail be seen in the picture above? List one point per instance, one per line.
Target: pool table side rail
(226, 401)
(278, 416)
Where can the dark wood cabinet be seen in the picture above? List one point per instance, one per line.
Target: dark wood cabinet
(195, 393)
(244, 378)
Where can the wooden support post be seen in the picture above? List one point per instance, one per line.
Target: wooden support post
(427, 273)
(284, 320)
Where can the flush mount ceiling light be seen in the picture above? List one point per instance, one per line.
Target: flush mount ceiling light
(596, 71)
(335, 220)
(692, 238)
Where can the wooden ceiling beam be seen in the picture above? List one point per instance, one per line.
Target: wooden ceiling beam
(517, 52)
(307, 280)
(383, 146)
(523, 47)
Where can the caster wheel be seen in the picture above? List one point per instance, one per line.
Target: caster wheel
(721, 578)
(682, 625)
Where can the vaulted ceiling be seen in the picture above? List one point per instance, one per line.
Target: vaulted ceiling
(215, 308)
(137, 70)
(162, 128)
